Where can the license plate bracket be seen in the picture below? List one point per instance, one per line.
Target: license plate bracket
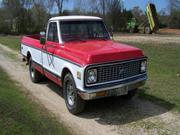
(121, 91)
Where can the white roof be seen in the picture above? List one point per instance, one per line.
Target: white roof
(75, 18)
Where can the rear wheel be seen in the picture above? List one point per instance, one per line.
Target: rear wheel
(34, 74)
(74, 102)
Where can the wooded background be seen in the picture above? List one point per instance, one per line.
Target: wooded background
(30, 16)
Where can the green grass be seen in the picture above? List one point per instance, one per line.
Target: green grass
(12, 42)
(163, 85)
(20, 116)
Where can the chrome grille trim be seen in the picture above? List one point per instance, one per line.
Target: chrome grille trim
(105, 71)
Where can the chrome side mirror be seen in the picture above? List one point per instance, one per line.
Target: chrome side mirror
(42, 34)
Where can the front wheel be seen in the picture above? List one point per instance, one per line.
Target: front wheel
(74, 102)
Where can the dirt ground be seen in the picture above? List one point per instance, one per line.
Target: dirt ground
(111, 116)
(169, 31)
(143, 38)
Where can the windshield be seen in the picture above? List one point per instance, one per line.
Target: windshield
(83, 30)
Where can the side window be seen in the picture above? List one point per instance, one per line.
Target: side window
(52, 32)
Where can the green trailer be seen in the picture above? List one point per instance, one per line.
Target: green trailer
(149, 25)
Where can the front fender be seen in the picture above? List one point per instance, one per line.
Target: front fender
(74, 69)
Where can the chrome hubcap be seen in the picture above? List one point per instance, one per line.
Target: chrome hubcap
(70, 93)
(32, 71)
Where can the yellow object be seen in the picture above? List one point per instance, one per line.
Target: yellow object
(152, 17)
(101, 94)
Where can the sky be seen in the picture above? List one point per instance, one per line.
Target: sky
(160, 4)
(129, 4)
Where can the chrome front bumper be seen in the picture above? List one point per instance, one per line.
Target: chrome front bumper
(111, 91)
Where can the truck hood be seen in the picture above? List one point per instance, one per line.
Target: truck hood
(91, 52)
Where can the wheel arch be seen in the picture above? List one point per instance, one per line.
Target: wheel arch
(73, 70)
(28, 56)
(64, 72)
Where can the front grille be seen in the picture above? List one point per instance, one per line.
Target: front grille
(117, 71)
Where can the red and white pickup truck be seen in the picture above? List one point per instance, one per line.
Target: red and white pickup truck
(78, 54)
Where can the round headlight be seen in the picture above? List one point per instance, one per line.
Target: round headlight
(143, 66)
(92, 76)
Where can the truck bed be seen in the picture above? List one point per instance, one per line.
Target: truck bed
(32, 40)
(35, 36)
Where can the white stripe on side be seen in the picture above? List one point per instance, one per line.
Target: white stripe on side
(54, 64)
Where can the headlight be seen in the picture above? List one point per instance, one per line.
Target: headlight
(91, 76)
(143, 66)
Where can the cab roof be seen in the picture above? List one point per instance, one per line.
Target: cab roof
(69, 18)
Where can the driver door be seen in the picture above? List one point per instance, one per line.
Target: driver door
(49, 49)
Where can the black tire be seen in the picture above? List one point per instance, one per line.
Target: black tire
(131, 94)
(34, 74)
(75, 104)
(147, 30)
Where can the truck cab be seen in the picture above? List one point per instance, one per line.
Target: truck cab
(77, 53)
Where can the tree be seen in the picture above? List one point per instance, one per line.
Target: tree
(39, 15)
(4, 24)
(58, 3)
(139, 14)
(174, 5)
(23, 16)
(163, 18)
(115, 15)
(110, 10)
(15, 14)
(174, 19)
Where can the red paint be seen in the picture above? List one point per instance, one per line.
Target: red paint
(32, 42)
(94, 51)
(53, 78)
(38, 68)
(87, 52)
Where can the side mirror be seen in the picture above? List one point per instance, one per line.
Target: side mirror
(42, 34)
(42, 38)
